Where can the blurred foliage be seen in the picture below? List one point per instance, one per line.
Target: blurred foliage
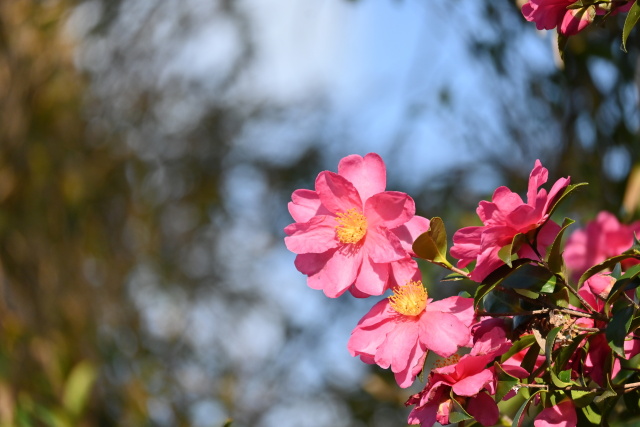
(120, 205)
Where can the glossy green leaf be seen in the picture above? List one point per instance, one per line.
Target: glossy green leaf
(432, 244)
(570, 189)
(518, 417)
(632, 19)
(582, 398)
(506, 382)
(607, 264)
(507, 253)
(591, 414)
(549, 343)
(554, 253)
(523, 342)
(618, 328)
(528, 276)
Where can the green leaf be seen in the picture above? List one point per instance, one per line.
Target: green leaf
(557, 381)
(432, 244)
(591, 414)
(506, 382)
(564, 353)
(618, 328)
(458, 413)
(554, 254)
(506, 253)
(523, 342)
(632, 19)
(78, 387)
(570, 189)
(607, 264)
(518, 417)
(528, 276)
(582, 398)
(549, 343)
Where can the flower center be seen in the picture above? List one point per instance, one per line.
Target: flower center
(410, 299)
(441, 363)
(352, 226)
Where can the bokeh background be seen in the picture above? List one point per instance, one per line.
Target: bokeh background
(148, 149)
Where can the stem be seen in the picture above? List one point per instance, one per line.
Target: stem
(624, 388)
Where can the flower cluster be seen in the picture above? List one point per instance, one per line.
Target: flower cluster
(554, 329)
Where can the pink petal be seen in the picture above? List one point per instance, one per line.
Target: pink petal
(484, 409)
(409, 232)
(380, 312)
(310, 264)
(372, 278)
(471, 385)
(337, 274)
(488, 261)
(442, 332)
(561, 415)
(367, 174)
(305, 204)
(336, 193)
(466, 244)
(390, 209)
(403, 271)
(316, 236)
(538, 176)
(383, 246)
(366, 341)
(460, 307)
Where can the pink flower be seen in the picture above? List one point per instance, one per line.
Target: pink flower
(351, 234)
(468, 381)
(602, 238)
(399, 330)
(504, 217)
(549, 14)
(561, 415)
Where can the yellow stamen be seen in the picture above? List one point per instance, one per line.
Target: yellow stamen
(410, 299)
(352, 226)
(441, 363)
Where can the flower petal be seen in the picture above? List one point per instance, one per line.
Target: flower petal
(409, 232)
(484, 409)
(316, 236)
(338, 273)
(561, 415)
(368, 174)
(305, 204)
(383, 246)
(336, 193)
(471, 385)
(390, 209)
(442, 332)
(373, 278)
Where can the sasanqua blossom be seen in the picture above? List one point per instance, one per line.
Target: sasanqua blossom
(399, 330)
(504, 217)
(467, 380)
(351, 234)
(602, 238)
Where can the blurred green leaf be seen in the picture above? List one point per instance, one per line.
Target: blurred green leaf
(78, 387)
(631, 20)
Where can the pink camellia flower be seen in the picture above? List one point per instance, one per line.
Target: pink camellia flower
(467, 380)
(561, 415)
(602, 238)
(504, 217)
(351, 234)
(549, 14)
(399, 330)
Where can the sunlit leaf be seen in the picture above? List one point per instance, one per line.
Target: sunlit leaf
(432, 244)
(631, 20)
